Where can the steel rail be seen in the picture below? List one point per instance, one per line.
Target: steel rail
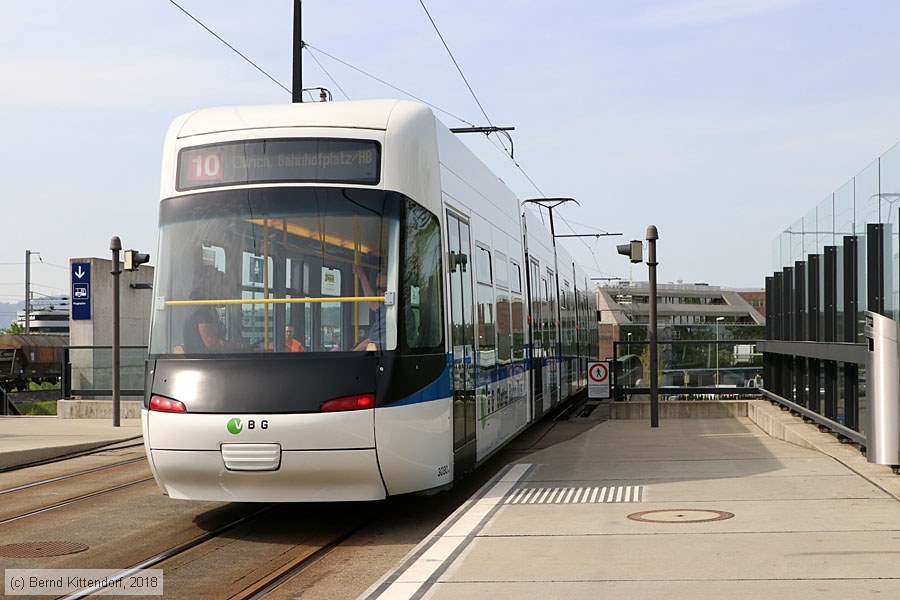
(71, 475)
(171, 553)
(75, 500)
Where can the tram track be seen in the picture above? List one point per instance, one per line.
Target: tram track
(71, 501)
(295, 567)
(30, 498)
(71, 475)
(173, 552)
(199, 559)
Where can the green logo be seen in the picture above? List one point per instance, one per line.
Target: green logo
(235, 426)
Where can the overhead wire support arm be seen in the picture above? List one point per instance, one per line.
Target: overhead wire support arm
(593, 235)
(488, 131)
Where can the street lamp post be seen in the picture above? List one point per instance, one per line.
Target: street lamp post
(718, 319)
(652, 236)
(633, 251)
(28, 254)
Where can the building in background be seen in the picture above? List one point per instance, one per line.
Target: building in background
(707, 334)
(685, 311)
(49, 314)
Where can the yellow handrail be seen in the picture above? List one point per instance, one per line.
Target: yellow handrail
(276, 300)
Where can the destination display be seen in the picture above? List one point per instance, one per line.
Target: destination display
(279, 161)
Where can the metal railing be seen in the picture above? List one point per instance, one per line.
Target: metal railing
(689, 369)
(818, 418)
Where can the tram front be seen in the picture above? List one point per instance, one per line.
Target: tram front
(276, 320)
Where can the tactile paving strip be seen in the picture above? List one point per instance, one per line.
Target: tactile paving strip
(577, 495)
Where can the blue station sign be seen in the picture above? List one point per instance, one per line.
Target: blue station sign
(81, 291)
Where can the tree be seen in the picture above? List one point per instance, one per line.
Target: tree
(13, 328)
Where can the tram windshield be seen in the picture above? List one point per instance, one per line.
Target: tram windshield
(282, 269)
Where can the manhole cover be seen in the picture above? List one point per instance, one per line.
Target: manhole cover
(684, 515)
(41, 549)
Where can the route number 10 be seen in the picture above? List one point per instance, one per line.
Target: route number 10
(205, 166)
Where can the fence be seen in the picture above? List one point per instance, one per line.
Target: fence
(689, 369)
(87, 371)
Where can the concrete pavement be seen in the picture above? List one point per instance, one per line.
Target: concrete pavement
(25, 440)
(708, 508)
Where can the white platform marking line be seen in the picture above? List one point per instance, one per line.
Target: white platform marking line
(466, 524)
(517, 496)
(409, 582)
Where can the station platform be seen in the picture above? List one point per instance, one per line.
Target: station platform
(693, 509)
(25, 440)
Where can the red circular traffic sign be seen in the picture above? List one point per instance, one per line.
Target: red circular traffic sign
(598, 372)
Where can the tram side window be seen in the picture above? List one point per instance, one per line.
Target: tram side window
(517, 312)
(483, 265)
(421, 306)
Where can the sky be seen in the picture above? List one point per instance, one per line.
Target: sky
(721, 122)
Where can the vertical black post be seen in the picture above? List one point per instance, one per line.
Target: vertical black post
(851, 287)
(652, 236)
(787, 328)
(297, 78)
(875, 267)
(115, 244)
(770, 311)
(615, 368)
(799, 309)
(813, 303)
(27, 292)
(850, 333)
(65, 384)
(829, 301)
(813, 298)
(774, 381)
(830, 330)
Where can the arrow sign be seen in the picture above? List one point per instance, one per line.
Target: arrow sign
(81, 291)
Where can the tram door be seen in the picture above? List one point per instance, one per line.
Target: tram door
(537, 339)
(462, 338)
(551, 341)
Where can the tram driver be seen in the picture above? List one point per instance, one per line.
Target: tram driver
(203, 330)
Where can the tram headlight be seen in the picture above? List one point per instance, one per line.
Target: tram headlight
(355, 402)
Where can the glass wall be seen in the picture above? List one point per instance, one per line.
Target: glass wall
(832, 264)
(873, 196)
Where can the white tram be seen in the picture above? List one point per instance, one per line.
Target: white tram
(278, 372)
